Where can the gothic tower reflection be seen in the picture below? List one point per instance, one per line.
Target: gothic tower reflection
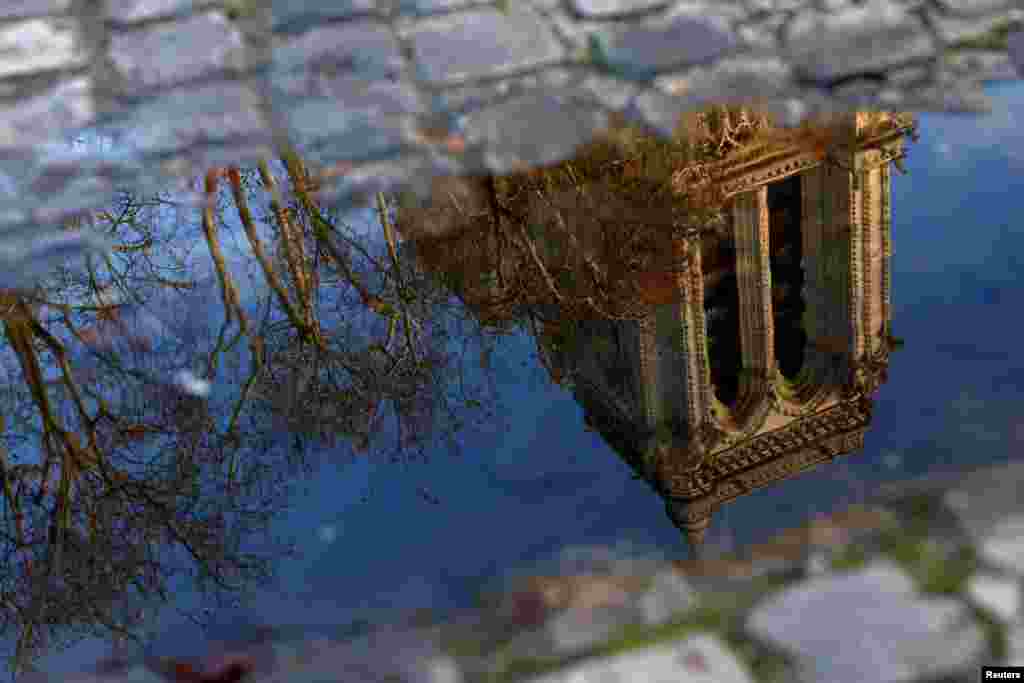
(765, 364)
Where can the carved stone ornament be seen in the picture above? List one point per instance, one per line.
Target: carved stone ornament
(772, 456)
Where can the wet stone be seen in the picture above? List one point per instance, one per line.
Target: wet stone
(1003, 546)
(1015, 640)
(358, 185)
(610, 92)
(168, 54)
(638, 50)
(327, 134)
(945, 93)
(668, 596)
(574, 630)
(701, 658)
(786, 5)
(956, 28)
(895, 634)
(762, 33)
(68, 189)
(657, 110)
(513, 139)
(34, 118)
(733, 80)
(983, 64)
(23, 9)
(606, 9)
(977, 7)
(24, 260)
(39, 45)
(1015, 48)
(870, 38)
(980, 501)
(370, 97)
(364, 47)
(616, 41)
(126, 11)
(298, 15)
(424, 8)
(999, 595)
(214, 114)
(467, 45)
(474, 97)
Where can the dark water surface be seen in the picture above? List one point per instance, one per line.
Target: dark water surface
(373, 546)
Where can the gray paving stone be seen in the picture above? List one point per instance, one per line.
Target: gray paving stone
(641, 49)
(736, 78)
(32, 119)
(127, 11)
(575, 630)
(41, 44)
(980, 7)
(212, 115)
(422, 8)
(980, 500)
(982, 64)
(945, 91)
(669, 596)
(868, 38)
(610, 92)
(1015, 642)
(471, 44)
(953, 28)
(999, 595)
(298, 15)
(869, 625)
(1015, 49)
(22, 9)
(591, 53)
(169, 54)
(364, 47)
(469, 98)
(512, 139)
(605, 9)
(1003, 545)
(701, 658)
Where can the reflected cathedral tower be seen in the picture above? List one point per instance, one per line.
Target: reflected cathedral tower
(766, 363)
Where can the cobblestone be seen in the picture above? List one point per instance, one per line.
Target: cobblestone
(353, 81)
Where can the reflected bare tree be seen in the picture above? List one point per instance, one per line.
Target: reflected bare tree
(118, 481)
(112, 478)
(594, 237)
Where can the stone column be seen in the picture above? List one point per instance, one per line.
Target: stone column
(672, 368)
(829, 216)
(873, 251)
(753, 276)
(885, 198)
(849, 189)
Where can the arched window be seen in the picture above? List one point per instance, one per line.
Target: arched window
(722, 316)
(786, 255)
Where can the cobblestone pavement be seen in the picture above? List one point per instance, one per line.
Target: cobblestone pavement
(397, 91)
(921, 584)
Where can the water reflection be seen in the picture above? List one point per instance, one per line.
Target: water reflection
(160, 405)
(718, 304)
